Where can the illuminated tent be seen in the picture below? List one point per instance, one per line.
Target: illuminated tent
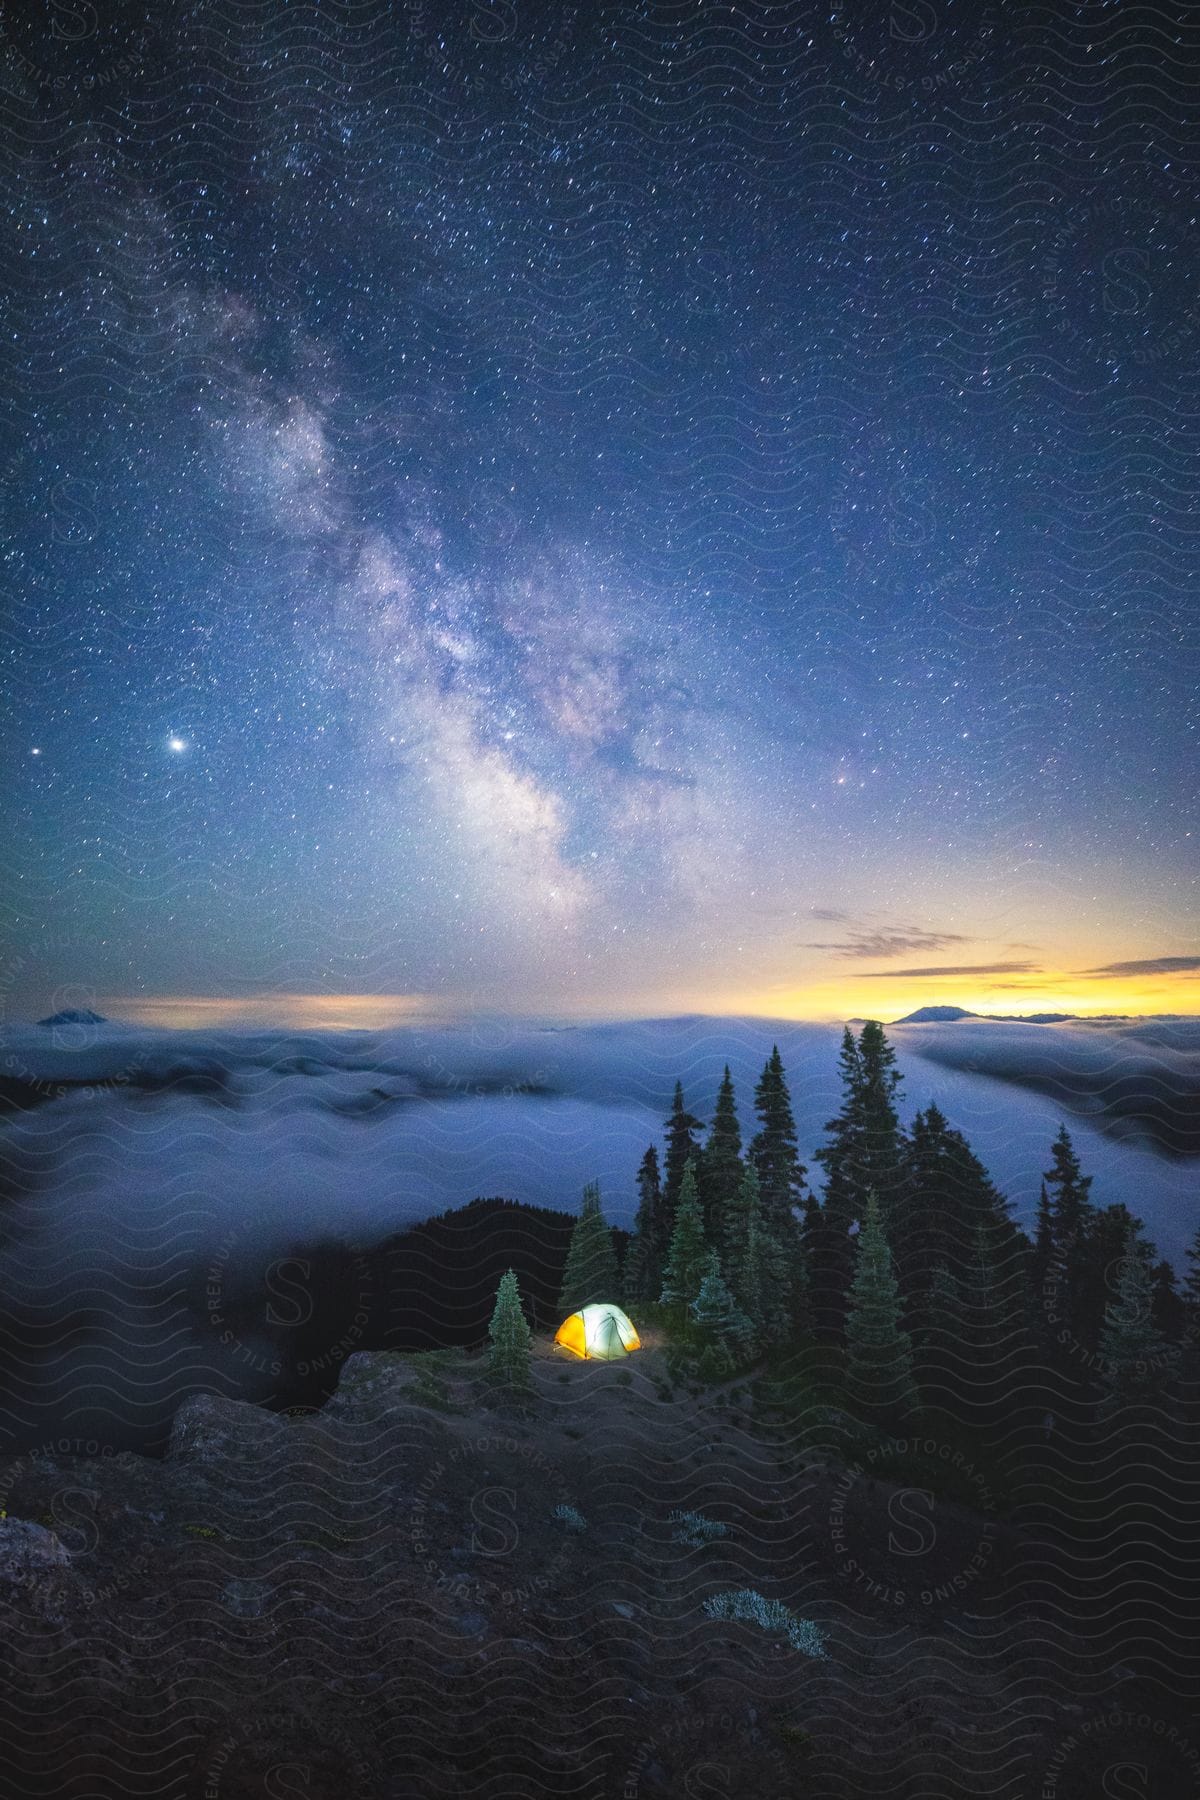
(601, 1332)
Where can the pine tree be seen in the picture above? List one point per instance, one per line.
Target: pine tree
(688, 1258)
(879, 1377)
(745, 1209)
(993, 1310)
(591, 1268)
(866, 1152)
(830, 1247)
(716, 1313)
(1095, 1269)
(509, 1336)
(1042, 1259)
(841, 1155)
(647, 1252)
(941, 1342)
(760, 1274)
(883, 1141)
(720, 1170)
(944, 1201)
(683, 1146)
(1134, 1354)
(1070, 1206)
(769, 1296)
(1191, 1294)
(1071, 1218)
(773, 1149)
(1168, 1307)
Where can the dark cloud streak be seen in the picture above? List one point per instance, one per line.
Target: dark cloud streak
(1153, 965)
(996, 968)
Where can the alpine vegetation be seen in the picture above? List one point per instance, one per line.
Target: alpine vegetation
(694, 1530)
(749, 1606)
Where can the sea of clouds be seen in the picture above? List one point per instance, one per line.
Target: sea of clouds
(181, 1145)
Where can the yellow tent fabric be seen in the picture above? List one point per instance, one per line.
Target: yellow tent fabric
(600, 1332)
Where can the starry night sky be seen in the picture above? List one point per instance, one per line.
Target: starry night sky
(599, 510)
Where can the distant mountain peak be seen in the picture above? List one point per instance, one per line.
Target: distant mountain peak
(74, 1015)
(936, 1015)
(948, 1015)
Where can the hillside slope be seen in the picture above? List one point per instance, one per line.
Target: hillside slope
(375, 1599)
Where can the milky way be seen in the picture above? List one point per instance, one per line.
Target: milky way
(600, 509)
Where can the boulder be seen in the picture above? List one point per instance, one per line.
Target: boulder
(211, 1431)
(28, 1551)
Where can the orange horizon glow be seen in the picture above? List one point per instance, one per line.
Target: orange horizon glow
(869, 995)
(330, 1012)
(883, 997)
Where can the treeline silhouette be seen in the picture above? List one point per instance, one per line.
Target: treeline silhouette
(909, 1264)
(906, 1279)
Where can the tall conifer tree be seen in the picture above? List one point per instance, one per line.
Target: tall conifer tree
(1068, 1298)
(683, 1146)
(720, 1170)
(879, 1374)
(883, 1145)
(773, 1149)
(773, 1303)
(647, 1252)
(688, 1257)
(944, 1201)
(1042, 1257)
(940, 1353)
(1169, 1314)
(1191, 1294)
(828, 1234)
(591, 1269)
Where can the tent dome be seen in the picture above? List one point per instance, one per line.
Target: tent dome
(601, 1332)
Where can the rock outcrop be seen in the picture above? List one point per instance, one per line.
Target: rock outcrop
(383, 1597)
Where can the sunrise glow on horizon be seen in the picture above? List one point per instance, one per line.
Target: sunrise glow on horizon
(823, 1002)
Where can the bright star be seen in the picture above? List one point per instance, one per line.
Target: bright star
(177, 744)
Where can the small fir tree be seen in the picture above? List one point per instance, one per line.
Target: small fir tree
(509, 1336)
(717, 1314)
(591, 1268)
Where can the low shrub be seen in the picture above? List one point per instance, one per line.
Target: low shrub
(569, 1517)
(694, 1530)
(771, 1615)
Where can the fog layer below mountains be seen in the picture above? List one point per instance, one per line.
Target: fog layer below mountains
(148, 1154)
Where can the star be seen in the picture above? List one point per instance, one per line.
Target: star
(177, 745)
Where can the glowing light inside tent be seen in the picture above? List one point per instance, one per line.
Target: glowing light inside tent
(601, 1333)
